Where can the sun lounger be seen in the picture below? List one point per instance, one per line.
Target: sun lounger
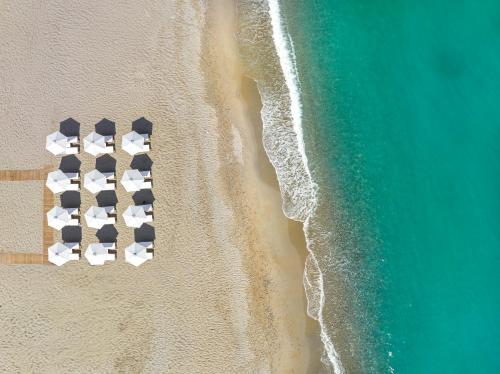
(111, 181)
(73, 145)
(75, 216)
(110, 143)
(111, 210)
(111, 247)
(148, 180)
(147, 143)
(75, 247)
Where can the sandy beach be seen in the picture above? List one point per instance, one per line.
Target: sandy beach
(224, 292)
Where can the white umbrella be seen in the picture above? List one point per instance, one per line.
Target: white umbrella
(57, 181)
(96, 217)
(60, 253)
(58, 217)
(57, 143)
(132, 180)
(94, 143)
(134, 216)
(97, 254)
(133, 143)
(137, 254)
(95, 181)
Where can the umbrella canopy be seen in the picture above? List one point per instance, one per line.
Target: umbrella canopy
(94, 143)
(96, 254)
(57, 143)
(57, 181)
(95, 181)
(59, 254)
(133, 143)
(132, 180)
(96, 217)
(134, 216)
(136, 254)
(58, 217)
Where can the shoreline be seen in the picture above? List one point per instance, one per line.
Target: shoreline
(224, 291)
(240, 106)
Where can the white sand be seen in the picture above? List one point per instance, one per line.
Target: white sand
(223, 293)
(21, 212)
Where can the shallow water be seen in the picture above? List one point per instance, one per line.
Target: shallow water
(402, 122)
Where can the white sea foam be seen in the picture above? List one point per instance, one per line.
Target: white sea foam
(287, 60)
(286, 150)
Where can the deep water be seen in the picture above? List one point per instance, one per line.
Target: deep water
(401, 116)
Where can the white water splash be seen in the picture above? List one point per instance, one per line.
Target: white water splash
(305, 188)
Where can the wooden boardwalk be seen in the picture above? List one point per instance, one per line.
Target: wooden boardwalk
(25, 175)
(48, 232)
(16, 258)
(13, 258)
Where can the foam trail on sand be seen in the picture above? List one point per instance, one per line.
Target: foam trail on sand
(297, 187)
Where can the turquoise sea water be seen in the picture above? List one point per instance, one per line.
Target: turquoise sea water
(401, 115)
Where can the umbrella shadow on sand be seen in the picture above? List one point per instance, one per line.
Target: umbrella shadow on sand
(105, 127)
(70, 199)
(70, 164)
(143, 197)
(142, 126)
(141, 162)
(105, 164)
(145, 233)
(69, 127)
(107, 234)
(71, 234)
(106, 198)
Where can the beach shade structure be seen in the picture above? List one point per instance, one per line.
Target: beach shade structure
(99, 253)
(138, 253)
(134, 143)
(135, 180)
(60, 253)
(95, 181)
(136, 215)
(97, 144)
(58, 217)
(60, 145)
(96, 217)
(57, 181)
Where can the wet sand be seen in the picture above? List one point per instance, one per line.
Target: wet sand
(224, 291)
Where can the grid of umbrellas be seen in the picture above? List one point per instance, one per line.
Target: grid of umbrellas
(96, 181)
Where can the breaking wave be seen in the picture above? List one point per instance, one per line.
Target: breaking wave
(286, 150)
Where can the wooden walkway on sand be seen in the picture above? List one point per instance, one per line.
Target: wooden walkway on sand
(13, 258)
(48, 233)
(24, 175)
(48, 202)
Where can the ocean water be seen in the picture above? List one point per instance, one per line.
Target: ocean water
(399, 184)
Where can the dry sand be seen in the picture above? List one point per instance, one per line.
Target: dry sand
(21, 206)
(224, 291)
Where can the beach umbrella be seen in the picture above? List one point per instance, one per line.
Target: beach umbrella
(60, 253)
(133, 143)
(57, 143)
(134, 216)
(137, 254)
(97, 254)
(95, 181)
(58, 217)
(132, 180)
(96, 217)
(57, 181)
(94, 144)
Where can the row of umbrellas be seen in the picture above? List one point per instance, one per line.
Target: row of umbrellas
(96, 144)
(96, 181)
(96, 217)
(98, 253)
